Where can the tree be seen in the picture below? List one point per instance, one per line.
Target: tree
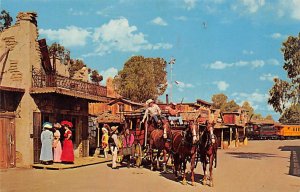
(58, 51)
(257, 116)
(230, 106)
(7, 20)
(219, 100)
(269, 117)
(247, 106)
(96, 77)
(75, 65)
(142, 78)
(291, 115)
(287, 92)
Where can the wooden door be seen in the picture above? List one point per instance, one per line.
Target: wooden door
(37, 129)
(7, 141)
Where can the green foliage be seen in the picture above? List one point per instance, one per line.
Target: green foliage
(284, 92)
(96, 77)
(142, 78)
(219, 100)
(230, 106)
(75, 65)
(5, 20)
(59, 51)
(291, 115)
(257, 116)
(246, 106)
(269, 117)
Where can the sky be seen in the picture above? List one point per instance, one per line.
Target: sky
(219, 46)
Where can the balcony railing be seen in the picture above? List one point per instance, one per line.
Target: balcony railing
(41, 80)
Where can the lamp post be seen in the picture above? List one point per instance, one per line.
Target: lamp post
(171, 62)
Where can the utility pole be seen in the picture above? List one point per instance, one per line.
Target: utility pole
(172, 62)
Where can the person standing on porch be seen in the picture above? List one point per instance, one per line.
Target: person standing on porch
(46, 155)
(57, 149)
(67, 155)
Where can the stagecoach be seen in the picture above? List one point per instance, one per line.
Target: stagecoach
(143, 134)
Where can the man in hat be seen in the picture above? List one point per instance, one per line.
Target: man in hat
(153, 110)
(114, 143)
(174, 113)
(46, 156)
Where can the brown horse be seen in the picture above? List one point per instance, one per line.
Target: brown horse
(185, 145)
(159, 140)
(208, 151)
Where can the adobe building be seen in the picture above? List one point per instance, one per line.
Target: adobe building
(40, 92)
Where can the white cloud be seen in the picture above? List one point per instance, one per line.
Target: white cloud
(118, 35)
(267, 77)
(252, 6)
(110, 72)
(278, 36)
(181, 85)
(253, 98)
(77, 12)
(181, 18)
(68, 37)
(295, 6)
(248, 52)
(159, 21)
(222, 85)
(253, 64)
(190, 4)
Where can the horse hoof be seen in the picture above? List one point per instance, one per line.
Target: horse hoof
(193, 184)
(204, 182)
(151, 168)
(211, 184)
(184, 182)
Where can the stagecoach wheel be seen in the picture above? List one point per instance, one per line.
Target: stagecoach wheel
(138, 154)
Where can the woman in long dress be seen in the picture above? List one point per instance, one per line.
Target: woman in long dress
(57, 149)
(46, 156)
(67, 155)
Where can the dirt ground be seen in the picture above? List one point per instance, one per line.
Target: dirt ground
(259, 166)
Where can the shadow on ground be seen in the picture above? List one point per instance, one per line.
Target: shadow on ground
(294, 168)
(250, 155)
(170, 176)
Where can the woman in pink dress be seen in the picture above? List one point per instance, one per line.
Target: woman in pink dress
(67, 155)
(57, 149)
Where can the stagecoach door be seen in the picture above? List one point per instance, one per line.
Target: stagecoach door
(7, 141)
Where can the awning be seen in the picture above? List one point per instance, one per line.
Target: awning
(58, 90)
(12, 89)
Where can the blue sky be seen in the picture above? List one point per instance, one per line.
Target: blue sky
(220, 46)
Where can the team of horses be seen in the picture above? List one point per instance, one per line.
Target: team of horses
(188, 145)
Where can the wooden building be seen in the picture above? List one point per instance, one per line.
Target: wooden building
(46, 94)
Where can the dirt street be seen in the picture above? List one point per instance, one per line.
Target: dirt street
(259, 166)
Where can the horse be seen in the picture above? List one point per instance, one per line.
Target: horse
(208, 151)
(185, 145)
(159, 140)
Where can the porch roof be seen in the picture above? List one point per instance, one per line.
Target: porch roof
(12, 89)
(72, 93)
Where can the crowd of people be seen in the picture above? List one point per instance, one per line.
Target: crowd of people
(57, 145)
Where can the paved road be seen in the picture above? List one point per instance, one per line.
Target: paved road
(260, 166)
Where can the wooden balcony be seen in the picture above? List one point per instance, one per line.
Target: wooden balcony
(53, 83)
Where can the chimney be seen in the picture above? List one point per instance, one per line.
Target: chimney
(167, 99)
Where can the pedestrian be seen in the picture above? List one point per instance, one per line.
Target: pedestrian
(67, 155)
(57, 149)
(128, 140)
(46, 156)
(114, 144)
(104, 140)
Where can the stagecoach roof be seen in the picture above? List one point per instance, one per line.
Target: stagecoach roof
(12, 89)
